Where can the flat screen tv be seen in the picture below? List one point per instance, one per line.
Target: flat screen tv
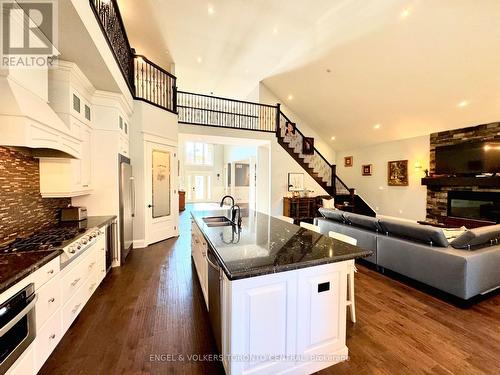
(468, 158)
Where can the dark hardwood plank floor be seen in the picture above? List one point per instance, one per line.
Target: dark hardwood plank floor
(154, 306)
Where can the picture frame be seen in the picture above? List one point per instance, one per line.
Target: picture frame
(290, 128)
(397, 173)
(295, 181)
(308, 146)
(366, 169)
(348, 161)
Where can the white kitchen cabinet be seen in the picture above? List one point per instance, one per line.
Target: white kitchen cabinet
(49, 300)
(25, 364)
(61, 177)
(199, 254)
(281, 322)
(47, 338)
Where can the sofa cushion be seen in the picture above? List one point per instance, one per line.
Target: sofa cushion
(414, 231)
(332, 214)
(477, 237)
(363, 221)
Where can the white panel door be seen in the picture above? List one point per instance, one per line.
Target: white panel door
(161, 192)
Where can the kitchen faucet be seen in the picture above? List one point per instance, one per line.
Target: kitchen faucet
(232, 205)
(235, 208)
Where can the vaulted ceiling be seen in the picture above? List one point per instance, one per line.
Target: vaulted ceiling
(362, 71)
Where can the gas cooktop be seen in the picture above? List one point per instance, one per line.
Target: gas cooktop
(49, 239)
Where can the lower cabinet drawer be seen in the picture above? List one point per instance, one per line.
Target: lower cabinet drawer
(77, 275)
(49, 300)
(47, 272)
(73, 307)
(47, 339)
(24, 365)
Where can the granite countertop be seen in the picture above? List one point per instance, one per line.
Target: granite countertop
(268, 245)
(16, 266)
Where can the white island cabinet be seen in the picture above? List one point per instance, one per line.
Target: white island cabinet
(291, 322)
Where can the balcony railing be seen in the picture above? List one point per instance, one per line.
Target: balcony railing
(207, 110)
(154, 84)
(146, 80)
(110, 20)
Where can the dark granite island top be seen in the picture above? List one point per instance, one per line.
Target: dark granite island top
(268, 245)
(16, 266)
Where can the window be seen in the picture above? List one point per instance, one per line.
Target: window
(198, 153)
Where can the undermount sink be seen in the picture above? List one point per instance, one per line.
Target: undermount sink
(217, 221)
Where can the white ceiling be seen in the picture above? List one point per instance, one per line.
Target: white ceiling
(405, 71)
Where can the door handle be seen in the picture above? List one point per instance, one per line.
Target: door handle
(150, 205)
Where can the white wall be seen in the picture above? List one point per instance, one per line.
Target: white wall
(152, 124)
(266, 96)
(401, 201)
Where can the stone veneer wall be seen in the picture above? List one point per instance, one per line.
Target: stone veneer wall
(23, 211)
(437, 197)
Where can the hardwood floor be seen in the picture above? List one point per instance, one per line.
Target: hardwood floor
(153, 306)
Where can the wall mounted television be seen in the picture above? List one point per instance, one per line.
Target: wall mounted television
(468, 158)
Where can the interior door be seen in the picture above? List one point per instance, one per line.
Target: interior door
(161, 192)
(199, 186)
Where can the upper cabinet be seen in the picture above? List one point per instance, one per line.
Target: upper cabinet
(70, 95)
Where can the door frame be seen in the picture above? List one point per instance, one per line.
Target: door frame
(173, 218)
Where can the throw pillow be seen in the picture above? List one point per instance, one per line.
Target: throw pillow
(329, 203)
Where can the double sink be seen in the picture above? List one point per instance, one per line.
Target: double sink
(217, 221)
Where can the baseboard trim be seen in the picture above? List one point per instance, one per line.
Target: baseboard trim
(139, 244)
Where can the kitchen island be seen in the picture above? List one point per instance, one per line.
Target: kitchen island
(276, 292)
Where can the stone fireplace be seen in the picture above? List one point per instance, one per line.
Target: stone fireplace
(437, 196)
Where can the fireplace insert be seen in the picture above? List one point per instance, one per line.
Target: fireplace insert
(474, 205)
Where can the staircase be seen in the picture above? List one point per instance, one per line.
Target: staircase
(319, 168)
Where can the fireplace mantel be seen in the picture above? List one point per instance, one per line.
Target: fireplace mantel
(493, 182)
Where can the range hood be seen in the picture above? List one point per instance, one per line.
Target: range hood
(26, 120)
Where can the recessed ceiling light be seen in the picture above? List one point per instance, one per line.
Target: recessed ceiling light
(290, 97)
(333, 138)
(405, 13)
(211, 10)
(199, 60)
(376, 126)
(275, 31)
(328, 71)
(246, 71)
(463, 103)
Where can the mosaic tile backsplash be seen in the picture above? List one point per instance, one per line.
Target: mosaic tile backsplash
(23, 211)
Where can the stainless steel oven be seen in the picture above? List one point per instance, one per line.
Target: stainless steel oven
(17, 326)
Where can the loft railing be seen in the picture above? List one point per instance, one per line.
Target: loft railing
(154, 84)
(207, 110)
(146, 80)
(110, 20)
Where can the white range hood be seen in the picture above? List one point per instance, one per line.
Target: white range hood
(26, 120)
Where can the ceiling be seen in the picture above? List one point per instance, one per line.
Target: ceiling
(412, 67)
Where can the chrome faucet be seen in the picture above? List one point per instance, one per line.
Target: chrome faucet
(235, 208)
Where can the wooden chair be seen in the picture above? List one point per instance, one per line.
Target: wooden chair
(350, 276)
(285, 218)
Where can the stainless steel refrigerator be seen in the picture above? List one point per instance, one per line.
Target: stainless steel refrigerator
(127, 208)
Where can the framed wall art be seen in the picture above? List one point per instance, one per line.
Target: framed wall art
(397, 173)
(366, 170)
(347, 161)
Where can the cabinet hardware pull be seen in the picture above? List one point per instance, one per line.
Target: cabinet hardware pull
(50, 272)
(52, 337)
(91, 265)
(75, 282)
(75, 309)
(91, 287)
(52, 300)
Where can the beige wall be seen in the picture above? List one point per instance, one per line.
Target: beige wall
(401, 201)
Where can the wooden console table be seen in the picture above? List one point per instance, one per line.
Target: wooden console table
(300, 209)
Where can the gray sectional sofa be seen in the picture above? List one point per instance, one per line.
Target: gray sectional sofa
(465, 267)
